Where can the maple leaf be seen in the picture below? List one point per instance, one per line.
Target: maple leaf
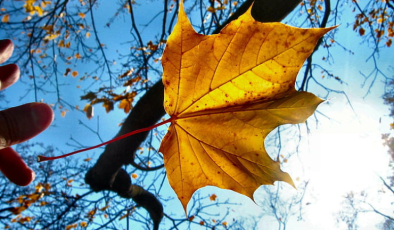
(225, 93)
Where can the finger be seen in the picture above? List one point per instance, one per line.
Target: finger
(23, 122)
(14, 168)
(6, 49)
(9, 74)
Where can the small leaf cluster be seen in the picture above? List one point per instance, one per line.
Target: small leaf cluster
(378, 18)
(108, 97)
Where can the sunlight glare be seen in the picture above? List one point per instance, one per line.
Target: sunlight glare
(346, 156)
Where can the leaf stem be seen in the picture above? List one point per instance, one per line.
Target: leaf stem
(44, 158)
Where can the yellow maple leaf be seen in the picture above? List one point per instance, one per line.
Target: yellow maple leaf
(225, 93)
(71, 226)
(83, 224)
(29, 6)
(108, 105)
(52, 36)
(74, 73)
(82, 15)
(125, 104)
(18, 210)
(6, 18)
(39, 10)
(89, 110)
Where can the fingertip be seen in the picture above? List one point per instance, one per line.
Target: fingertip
(25, 177)
(14, 168)
(21, 123)
(5, 42)
(6, 49)
(42, 114)
(9, 75)
(28, 178)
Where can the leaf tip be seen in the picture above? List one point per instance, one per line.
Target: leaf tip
(248, 14)
(328, 29)
(181, 9)
(291, 182)
(184, 205)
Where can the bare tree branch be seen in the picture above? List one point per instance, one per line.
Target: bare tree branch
(380, 213)
(385, 184)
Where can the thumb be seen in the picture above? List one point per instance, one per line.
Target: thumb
(23, 122)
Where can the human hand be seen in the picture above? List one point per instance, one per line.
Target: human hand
(18, 124)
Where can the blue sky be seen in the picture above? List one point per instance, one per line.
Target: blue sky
(343, 153)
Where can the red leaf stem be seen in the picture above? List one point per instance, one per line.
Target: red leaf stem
(44, 158)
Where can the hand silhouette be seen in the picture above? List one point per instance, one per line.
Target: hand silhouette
(18, 124)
